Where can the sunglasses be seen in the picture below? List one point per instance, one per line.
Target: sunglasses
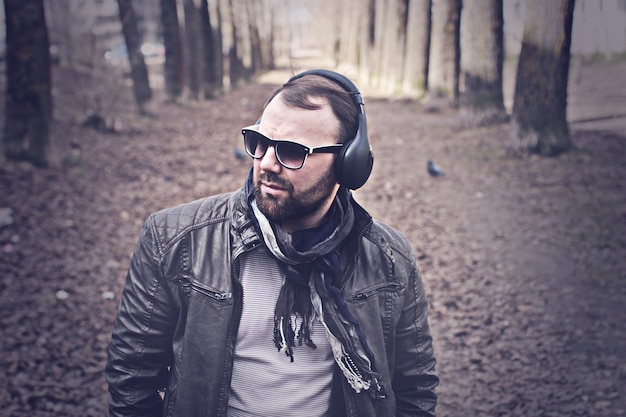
(291, 155)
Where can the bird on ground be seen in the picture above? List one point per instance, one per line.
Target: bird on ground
(239, 154)
(433, 169)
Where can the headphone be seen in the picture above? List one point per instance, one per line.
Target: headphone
(354, 162)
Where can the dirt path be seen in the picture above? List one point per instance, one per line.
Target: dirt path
(524, 260)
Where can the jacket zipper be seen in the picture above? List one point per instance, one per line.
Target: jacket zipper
(362, 296)
(220, 296)
(202, 289)
(347, 391)
(222, 408)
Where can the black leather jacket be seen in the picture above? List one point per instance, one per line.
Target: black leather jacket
(180, 310)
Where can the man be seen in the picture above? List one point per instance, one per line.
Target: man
(283, 298)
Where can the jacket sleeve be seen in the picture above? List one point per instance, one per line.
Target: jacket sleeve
(414, 378)
(141, 342)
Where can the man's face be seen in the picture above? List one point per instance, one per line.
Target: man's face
(299, 198)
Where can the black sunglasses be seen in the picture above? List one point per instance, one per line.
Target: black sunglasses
(289, 154)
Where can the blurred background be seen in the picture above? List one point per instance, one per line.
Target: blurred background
(88, 33)
(524, 258)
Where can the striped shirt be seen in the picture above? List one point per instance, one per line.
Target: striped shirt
(265, 382)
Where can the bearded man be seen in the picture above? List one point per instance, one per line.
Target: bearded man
(285, 297)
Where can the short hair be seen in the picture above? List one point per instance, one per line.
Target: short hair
(298, 93)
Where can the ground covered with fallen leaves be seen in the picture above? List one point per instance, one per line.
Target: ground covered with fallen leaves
(524, 259)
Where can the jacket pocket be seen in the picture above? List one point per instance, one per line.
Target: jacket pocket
(189, 286)
(375, 290)
(209, 292)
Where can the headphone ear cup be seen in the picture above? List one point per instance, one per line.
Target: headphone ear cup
(354, 163)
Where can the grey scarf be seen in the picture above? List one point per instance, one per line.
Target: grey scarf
(310, 261)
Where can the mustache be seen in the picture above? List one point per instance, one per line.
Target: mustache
(274, 179)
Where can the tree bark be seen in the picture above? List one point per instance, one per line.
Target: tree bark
(393, 45)
(212, 52)
(482, 52)
(417, 48)
(138, 69)
(376, 62)
(218, 51)
(193, 49)
(539, 122)
(255, 17)
(348, 32)
(236, 70)
(28, 106)
(367, 38)
(443, 72)
(269, 36)
(173, 50)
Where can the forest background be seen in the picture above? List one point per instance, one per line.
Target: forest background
(523, 256)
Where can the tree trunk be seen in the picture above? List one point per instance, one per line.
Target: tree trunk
(348, 32)
(417, 48)
(393, 45)
(376, 56)
(236, 70)
(173, 50)
(28, 106)
(255, 17)
(268, 43)
(443, 71)
(194, 48)
(367, 38)
(539, 106)
(482, 46)
(213, 84)
(138, 69)
(215, 74)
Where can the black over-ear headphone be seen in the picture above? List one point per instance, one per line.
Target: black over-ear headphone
(355, 161)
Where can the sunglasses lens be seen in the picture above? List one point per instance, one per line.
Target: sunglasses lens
(256, 144)
(290, 154)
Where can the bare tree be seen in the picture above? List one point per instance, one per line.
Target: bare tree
(482, 52)
(417, 47)
(75, 43)
(443, 71)
(255, 18)
(212, 51)
(28, 106)
(393, 45)
(236, 70)
(173, 49)
(347, 22)
(377, 16)
(138, 69)
(194, 48)
(268, 35)
(215, 14)
(367, 37)
(539, 122)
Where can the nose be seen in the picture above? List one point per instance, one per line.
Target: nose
(269, 162)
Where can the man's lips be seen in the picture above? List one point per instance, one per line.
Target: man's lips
(272, 188)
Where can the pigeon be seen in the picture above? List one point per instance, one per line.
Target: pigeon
(239, 154)
(433, 169)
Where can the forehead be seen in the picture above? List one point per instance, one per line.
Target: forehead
(310, 127)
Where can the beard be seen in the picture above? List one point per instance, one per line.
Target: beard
(298, 204)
